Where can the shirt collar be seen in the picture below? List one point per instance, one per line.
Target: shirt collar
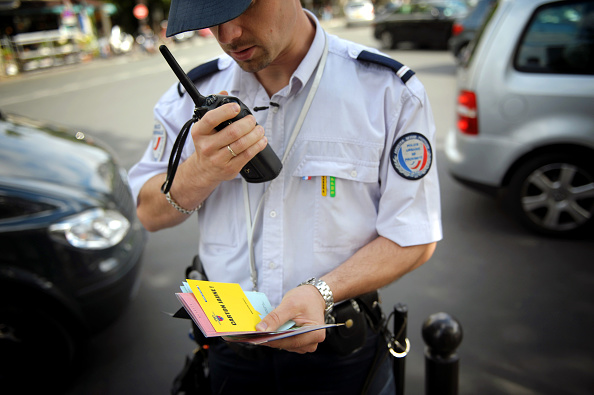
(308, 65)
(246, 85)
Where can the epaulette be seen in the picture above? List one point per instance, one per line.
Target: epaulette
(204, 70)
(401, 70)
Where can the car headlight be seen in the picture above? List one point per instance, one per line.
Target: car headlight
(94, 229)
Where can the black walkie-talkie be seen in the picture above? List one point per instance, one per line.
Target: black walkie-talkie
(265, 166)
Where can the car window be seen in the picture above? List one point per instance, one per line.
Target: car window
(478, 13)
(465, 61)
(456, 9)
(422, 9)
(559, 39)
(405, 9)
(439, 9)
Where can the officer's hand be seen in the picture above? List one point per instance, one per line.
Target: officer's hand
(305, 306)
(214, 161)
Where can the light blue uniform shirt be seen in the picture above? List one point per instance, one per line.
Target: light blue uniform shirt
(338, 189)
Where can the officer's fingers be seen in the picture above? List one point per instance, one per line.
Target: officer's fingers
(301, 344)
(304, 305)
(307, 342)
(239, 141)
(214, 118)
(249, 145)
(238, 129)
(290, 308)
(273, 320)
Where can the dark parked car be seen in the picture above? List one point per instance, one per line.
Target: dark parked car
(423, 23)
(464, 29)
(71, 249)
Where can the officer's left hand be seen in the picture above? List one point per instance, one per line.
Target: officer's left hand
(305, 306)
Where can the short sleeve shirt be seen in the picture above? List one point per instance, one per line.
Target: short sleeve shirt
(348, 178)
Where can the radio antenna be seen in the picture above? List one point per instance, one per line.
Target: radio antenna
(183, 77)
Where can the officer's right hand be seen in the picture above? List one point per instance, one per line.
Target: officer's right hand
(305, 306)
(214, 159)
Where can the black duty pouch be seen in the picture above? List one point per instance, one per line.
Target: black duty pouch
(194, 377)
(357, 315)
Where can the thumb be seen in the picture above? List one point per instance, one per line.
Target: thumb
(273, 320)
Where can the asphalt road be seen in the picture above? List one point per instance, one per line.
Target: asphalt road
(525, 302)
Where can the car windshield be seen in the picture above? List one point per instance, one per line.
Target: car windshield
(452, 8)
(448, 9)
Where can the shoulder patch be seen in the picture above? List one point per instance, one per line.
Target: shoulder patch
(204, 70)
(412, 156)
(401, 70)
(158, 141)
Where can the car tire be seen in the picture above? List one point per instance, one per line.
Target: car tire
(387, 39)
(553, 194)
(36, 343)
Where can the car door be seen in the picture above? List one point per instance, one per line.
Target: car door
(401, 23)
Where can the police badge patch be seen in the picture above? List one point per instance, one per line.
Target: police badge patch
(412, 156)
(158, 141)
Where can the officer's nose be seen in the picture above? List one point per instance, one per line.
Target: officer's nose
(227, 32)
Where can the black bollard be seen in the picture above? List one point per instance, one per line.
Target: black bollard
(399, 362)
(442, 335)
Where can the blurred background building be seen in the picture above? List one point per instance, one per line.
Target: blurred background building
(37, 34)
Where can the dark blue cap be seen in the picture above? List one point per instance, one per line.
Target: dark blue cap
(185, 15)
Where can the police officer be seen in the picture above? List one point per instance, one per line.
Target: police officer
(355, 207)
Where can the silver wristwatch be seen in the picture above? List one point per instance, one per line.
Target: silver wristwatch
(324, 290)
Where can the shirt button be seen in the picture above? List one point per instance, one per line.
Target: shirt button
(271, 265)
(273, 214)
(354, 173)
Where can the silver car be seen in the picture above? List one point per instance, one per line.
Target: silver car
(525, 113)
(359, 12)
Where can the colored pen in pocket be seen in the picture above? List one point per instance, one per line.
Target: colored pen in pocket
(328, 186)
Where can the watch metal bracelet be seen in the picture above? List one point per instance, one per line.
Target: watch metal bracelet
(324, 290)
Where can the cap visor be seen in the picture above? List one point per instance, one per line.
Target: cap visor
(187, 15)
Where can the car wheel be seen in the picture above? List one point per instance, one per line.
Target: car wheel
(554, 194)
(35, 344)
(387, 40)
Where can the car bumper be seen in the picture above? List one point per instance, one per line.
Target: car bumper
(104, 300)
(359, 21)
(478, 161)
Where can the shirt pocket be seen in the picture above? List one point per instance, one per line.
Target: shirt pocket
(346, 194)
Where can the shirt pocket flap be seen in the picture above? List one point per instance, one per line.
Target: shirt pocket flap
(359, 171)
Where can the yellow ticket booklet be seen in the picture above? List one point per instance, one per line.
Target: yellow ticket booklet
(225, 305)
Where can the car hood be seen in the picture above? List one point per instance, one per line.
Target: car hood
(31, 151)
